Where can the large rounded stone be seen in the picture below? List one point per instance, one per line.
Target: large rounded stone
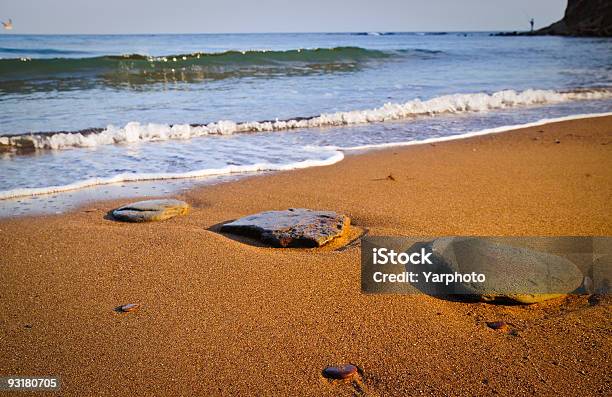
(512, 273)
(151, 210)
(295, 227)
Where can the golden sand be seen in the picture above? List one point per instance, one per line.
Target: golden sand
(220, 317)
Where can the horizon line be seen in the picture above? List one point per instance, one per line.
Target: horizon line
(237, 33)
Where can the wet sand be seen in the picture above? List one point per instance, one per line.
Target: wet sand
(220, 317)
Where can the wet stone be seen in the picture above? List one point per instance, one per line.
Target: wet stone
(295, 227)
(516, 274)
(341, 372)
(130, 307)
(150, 210)
(498, 325)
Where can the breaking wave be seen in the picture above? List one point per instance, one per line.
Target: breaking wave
(224, 57)
(336, 155)
(214, 63)
(65, 72)
(447, 104)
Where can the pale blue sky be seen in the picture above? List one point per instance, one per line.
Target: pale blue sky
(193, 16)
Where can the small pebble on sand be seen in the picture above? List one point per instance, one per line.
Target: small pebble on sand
(498, 325)
(130, 307)
(340, 372)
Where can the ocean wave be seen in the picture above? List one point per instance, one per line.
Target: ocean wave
(447, 104)
(373, 33)
(27, 75)
(32, 67)
(336, 156)
(39, 51)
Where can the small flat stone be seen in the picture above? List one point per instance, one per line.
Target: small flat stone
(512, 273)
(130, 307)
(341, 372)
(295, 227)
(498, 325)
(150, 210)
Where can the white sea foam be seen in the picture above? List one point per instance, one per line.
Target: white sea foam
(457, 103)
(335, 157)
(470, 134)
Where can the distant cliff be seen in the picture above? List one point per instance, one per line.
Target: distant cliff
(583, 18)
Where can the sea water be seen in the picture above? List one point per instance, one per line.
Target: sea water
(95, 116)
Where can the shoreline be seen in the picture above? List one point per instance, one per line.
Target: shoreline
(235, 172)
(222, 317)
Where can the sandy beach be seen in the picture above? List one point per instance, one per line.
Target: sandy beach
(220, 317)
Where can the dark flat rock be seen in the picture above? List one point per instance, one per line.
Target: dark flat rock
(295, 227)
(340, 372)
(150, 210)
(130, 307)
(512, 273)
(498, 325)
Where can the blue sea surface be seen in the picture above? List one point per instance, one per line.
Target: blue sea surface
(76, 82)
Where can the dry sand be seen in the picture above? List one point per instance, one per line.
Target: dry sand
(219, 317)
